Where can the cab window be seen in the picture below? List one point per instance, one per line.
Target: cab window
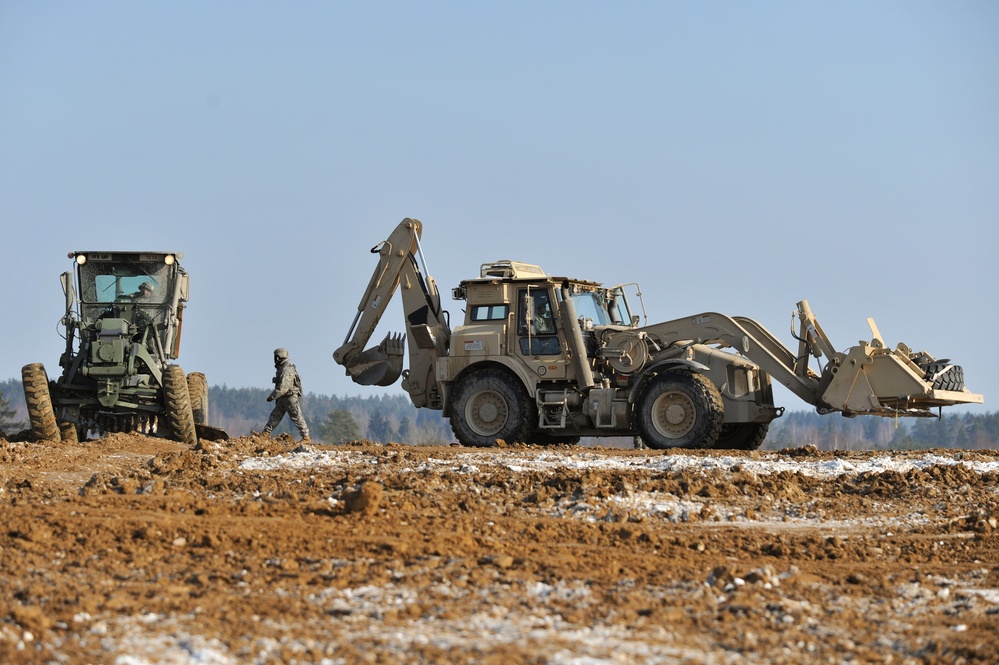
(490, 312)
(541, 339)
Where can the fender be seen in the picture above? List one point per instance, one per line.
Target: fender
(663, 366)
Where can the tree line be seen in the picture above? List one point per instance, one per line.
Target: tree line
(331, 419)
(833, 432)
(386, 418)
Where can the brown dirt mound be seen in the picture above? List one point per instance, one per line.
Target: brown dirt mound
(140, 550)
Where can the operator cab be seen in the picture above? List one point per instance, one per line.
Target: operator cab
(138, 293)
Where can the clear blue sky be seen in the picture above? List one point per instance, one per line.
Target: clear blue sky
(729, 156)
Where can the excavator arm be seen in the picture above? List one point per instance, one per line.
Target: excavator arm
(427, 327)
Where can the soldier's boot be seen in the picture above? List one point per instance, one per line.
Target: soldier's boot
(305, 436)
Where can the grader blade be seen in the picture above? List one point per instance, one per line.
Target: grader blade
(380, 365)
(210, 432)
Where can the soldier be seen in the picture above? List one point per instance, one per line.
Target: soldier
(144, 294)
(543, 322)
(287, 389)
(145, 291)
(140, 317)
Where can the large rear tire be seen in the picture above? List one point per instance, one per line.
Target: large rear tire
(39, 402)
(741, 436)
(490, 405)
(177, 405)
(197, 390)
(680, 410)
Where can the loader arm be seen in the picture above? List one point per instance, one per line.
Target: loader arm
(748, 337)
(865, 379)
(427, 327)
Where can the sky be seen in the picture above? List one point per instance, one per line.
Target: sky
(728, 156)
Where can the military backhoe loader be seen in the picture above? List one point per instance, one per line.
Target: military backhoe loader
(121, 333)
(551, 359)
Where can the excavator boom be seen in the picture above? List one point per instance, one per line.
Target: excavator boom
(428, 330)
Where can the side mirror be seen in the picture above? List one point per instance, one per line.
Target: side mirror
(184, 286)
(69, 290)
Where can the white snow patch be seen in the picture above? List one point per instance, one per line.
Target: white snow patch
(471, 463)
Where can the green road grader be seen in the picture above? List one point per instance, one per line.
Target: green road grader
(122, 323)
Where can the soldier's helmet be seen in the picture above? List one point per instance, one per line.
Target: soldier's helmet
(280, 354)
(146, 286)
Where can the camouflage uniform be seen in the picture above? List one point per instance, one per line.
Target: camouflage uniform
(145, 292)
(287, 390)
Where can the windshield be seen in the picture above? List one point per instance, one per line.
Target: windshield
(145, 282)
(604, 307)
(620, 312)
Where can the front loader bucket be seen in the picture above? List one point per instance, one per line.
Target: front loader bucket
(380, 365)
(870, 379)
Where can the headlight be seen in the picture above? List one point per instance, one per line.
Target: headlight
(169, 259)
(81, 259)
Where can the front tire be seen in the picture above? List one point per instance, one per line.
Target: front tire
(39, 402)
(680, 410)
(490, 405)
(197, 390)
(177, 406)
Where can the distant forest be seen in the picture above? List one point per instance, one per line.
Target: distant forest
(387, 418)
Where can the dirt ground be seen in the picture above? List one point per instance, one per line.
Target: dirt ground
(135, 550)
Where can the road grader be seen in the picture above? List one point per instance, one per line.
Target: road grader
(549, 359)
(123, 320)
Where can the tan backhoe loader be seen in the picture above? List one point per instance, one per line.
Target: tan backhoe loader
(551, 359)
